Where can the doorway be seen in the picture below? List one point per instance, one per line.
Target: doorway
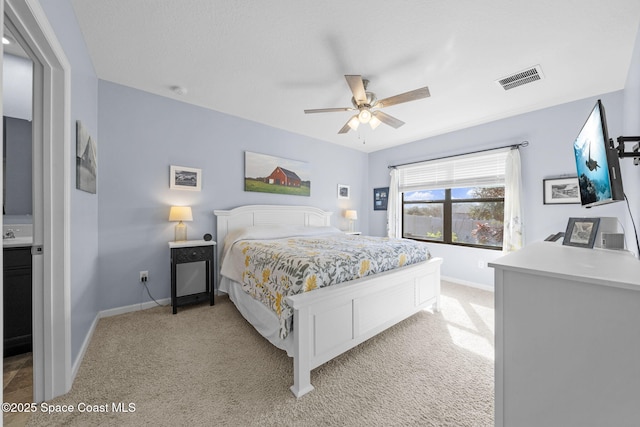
(17, 227)
(28, 23)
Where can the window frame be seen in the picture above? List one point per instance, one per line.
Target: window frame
(447, 218)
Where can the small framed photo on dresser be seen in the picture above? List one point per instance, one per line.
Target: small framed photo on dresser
(581, 232)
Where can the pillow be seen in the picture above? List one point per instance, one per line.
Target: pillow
(274, 231)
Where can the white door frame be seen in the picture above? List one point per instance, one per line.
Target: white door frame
(51, 200)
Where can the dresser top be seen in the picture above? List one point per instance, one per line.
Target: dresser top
(597, 266)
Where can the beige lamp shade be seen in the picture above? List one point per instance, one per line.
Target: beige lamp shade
(180, 213)
(351, 214)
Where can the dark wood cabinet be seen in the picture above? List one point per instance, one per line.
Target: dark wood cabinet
(17, 301)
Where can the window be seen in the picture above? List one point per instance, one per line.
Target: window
(470, 216)
(455, 200)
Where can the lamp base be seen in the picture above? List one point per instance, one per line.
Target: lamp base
(181, 232)
(352, 226)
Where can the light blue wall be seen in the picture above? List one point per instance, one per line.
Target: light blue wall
(142, 134)
(84, 206)
(550, 133)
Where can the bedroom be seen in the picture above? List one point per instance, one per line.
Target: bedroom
(124, 228)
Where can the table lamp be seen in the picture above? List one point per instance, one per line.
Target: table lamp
(180, 213)
(351, 216)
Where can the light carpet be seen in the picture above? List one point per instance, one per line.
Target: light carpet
(207, 366)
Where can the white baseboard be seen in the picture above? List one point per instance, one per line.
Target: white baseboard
(133, 307)
(83, 349)
(468, 283)
(109, 313)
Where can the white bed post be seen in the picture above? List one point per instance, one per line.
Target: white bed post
(302, 360)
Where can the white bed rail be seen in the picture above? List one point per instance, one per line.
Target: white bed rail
(332, 320)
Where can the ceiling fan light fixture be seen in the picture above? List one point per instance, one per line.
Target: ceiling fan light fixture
(374, 122)
(354, 123)
(364, 116)
(364, 102)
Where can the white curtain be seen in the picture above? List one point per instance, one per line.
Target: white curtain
(513, 228)
(394, 226)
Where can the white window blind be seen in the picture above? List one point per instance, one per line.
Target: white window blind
(468, 170)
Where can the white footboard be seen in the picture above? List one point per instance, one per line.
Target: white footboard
(330, 321)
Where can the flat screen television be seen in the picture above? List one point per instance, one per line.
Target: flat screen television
(597, 162)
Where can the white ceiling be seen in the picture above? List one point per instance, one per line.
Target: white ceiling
(267, 61)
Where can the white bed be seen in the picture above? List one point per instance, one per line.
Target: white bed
(331, 320)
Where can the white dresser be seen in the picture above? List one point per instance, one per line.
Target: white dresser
(567, 337)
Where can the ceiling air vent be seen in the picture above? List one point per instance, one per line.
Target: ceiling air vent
(521, 78)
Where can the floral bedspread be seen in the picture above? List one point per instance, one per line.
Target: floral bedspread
(271, 269)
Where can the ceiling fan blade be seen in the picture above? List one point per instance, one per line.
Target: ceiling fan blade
(412, 95)
(328, 110)
(387, 119)
(357, 88)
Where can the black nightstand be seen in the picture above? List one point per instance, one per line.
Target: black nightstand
(187, 252)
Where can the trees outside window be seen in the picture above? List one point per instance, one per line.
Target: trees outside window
(470, 216)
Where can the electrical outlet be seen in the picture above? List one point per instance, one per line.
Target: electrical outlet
(144, 276)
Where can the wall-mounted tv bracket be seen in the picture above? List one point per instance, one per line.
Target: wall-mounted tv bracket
(635, 153)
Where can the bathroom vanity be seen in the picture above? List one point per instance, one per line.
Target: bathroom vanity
(17, 291)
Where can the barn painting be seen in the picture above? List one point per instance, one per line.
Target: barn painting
(270, 174)
(282, 176)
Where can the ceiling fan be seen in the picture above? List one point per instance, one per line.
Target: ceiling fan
(365, 103)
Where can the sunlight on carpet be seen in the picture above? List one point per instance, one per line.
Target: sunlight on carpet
(468, 325)
(470, 340)
(486, 315)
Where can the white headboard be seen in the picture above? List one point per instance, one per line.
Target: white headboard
(246, 216)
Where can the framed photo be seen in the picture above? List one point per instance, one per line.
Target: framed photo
(86, 160)
(581, 232)
(561, 191)
(343, 191)
(270, 174)
(380, 198)
(183, 178)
